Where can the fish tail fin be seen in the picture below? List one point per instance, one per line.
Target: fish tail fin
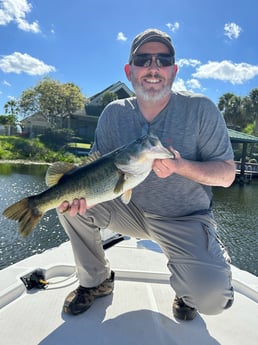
(26, 215)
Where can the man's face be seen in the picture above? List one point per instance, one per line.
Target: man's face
(151, 82)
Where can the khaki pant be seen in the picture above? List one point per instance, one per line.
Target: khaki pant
(197, 260)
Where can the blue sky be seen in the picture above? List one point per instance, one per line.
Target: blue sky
(87, 42)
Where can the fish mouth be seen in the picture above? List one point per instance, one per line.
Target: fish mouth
(161, 152)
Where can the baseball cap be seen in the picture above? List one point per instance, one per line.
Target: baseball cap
(151, 35)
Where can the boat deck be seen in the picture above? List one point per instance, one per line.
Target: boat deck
(139, 310)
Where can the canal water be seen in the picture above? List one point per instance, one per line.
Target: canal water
(235, 210)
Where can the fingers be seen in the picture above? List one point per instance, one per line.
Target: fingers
(161, 170)
(166, 167)
(78, 206)
(161, 167)
(63, 207)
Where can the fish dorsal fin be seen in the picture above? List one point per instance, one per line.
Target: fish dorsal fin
(92, 158)
(56, 171)
(126, 197)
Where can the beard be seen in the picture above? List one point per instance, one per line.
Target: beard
(151, 94)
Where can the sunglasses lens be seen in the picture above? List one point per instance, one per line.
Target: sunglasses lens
(164, 60)
(145, 60)
(142, 60)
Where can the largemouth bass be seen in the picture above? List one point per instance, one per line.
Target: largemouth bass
(102, 179)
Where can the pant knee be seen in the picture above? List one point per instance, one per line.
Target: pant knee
(209, 291)
(213, 302)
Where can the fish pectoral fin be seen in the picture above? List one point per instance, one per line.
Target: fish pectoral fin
(120, 183)
(56, 171)
(126, 197)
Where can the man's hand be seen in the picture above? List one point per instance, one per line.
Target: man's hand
(78, 206)
(210, 173)
(166, 167)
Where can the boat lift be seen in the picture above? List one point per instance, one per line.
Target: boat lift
(244, 171)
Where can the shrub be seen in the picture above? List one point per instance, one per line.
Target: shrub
(12, 148)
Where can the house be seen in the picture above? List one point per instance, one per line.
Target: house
(95, 106)
(34, 125)
(83, 122)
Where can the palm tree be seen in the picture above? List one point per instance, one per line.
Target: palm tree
(231, 108)
(12, 107)
(253, 95)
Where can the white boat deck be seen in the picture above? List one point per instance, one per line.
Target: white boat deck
(138, 312)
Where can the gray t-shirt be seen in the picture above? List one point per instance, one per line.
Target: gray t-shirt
(192, 125)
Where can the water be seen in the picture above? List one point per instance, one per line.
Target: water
(235, 209)
(16, 182)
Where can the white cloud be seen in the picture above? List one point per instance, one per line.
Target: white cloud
(179, 85)
(16, 11)
(232, 30)
(227, 71)
(5, 82)
(11, 98)
(18, 63)
(193, 84)
(25, 26)
(121, 37)
(173, 26)
(188, 62)
(189, 85)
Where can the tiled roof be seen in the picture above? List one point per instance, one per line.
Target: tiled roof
(241, 137)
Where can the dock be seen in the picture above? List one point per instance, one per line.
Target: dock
(246, 172)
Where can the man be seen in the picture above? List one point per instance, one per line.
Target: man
(173, 205)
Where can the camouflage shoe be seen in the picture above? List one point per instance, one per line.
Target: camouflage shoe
(182, 311)
(79, 300)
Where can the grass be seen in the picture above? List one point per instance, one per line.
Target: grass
(17, 148)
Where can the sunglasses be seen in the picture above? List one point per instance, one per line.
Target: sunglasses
(145, 60)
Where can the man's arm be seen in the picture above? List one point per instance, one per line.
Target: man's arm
(211, 173)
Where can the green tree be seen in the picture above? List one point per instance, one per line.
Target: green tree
(7, 120)
(12, 107)
(240, 112)
(253, 96)
(108, 97)
(52, 99)
(247, 109)
(28, 102)
(48, 100)
(72, 100)
(230, 106)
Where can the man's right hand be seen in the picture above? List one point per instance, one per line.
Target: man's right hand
(75, 207)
